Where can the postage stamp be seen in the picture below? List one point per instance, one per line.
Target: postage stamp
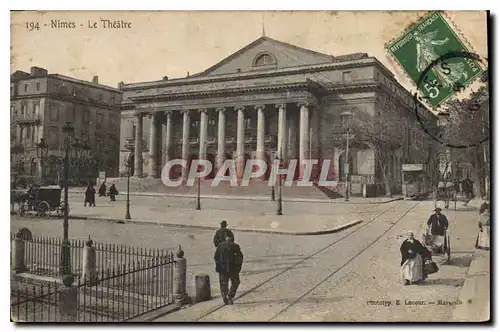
(427, 41)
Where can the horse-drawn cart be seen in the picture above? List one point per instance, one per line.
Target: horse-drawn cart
(39, 201)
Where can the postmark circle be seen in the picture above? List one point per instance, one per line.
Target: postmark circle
(421, 79)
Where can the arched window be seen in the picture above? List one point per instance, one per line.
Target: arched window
(264, 60)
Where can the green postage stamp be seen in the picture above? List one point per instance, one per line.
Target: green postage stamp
(426, 41)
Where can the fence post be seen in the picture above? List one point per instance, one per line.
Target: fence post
(180, 295)
(18, 249)
(89, 273)
(68, 301)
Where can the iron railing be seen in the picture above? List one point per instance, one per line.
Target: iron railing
(42, 255)
(113, 295)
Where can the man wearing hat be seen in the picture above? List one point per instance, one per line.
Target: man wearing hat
(222, 233)
(438, 223)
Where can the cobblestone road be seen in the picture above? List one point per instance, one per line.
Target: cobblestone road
(307, 278)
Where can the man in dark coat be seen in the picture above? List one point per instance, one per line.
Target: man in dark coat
(222, 233)
(102, 189)
(112, 193)
(438, 223)
(89, 196)
(228, 261)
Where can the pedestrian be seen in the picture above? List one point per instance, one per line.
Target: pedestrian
(413, 254)
(483, 236)
(89, 196)
(112, 193)
(221, 233)
(102, 189)
(228, 261)
(438, 223)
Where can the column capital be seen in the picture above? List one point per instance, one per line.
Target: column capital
(239, 108)
(202, 110)
(138, 113)
(257, 107)
(304, 104)
(168, 113)
(220, 109)
(283, 105)
(185, 112)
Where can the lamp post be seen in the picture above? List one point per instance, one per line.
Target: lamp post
(279, 210)
(198, 201)
(65, 266)
(42, 150)
(129, 165)
(347, 116)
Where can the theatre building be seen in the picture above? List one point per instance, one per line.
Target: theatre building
(270, 99)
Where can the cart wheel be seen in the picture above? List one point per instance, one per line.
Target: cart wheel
(43, 210)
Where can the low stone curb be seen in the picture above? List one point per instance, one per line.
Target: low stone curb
(249, 230)
(252, 198)
(474, 307)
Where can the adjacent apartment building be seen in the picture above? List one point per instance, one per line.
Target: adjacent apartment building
(41, 103)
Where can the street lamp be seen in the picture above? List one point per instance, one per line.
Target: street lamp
(129, 164)
(198, 200)
(279, 210)
(42, 151)
(65, 266)
(347, 117)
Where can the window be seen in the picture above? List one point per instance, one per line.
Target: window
(37, 86)
(12, 110)
(36, 109)
(11, 90)
(133, 130)
(212, 128)
(248, 123)
(264, 60)
(26, 88)
(23, 110)
(100, 119)
(346, 76)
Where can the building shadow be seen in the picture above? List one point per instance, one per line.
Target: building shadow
(463, 261)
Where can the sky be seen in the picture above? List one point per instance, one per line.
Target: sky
(170, 44)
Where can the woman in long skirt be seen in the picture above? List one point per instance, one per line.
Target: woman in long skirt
(483, 236)
(413, 254)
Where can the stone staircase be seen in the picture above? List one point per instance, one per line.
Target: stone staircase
(255, 188)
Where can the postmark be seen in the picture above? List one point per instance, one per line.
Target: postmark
(425, 42)
(443, 63)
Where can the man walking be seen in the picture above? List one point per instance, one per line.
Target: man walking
(222, 233)
(228, 261)
(438, 223)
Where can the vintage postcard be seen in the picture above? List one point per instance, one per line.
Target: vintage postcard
(287, 166)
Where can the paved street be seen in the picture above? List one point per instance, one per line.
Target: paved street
(306, 278)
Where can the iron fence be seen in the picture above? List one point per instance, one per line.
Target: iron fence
(42, 255)
(116, 294)
(34, 303)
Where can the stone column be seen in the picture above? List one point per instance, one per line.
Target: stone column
(89, 275)
(153, 147)
(202, 154)
(240, 142)
(138, 147)
(68, 301)
(282, 144)
(261, 131)
(168, 136)
(303, 136)
(186, 125)
(221, 138)
(180, 267)
(17, 254)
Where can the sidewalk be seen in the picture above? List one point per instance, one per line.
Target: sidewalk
(300, 224)
(475, 293)
(352, 200)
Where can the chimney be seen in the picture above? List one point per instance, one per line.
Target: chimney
(37, 71)
(95, 79)
(165, 78)
(120, 86)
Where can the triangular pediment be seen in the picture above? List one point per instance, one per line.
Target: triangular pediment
(264, 54)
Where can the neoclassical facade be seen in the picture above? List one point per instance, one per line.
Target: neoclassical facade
(268, 99)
